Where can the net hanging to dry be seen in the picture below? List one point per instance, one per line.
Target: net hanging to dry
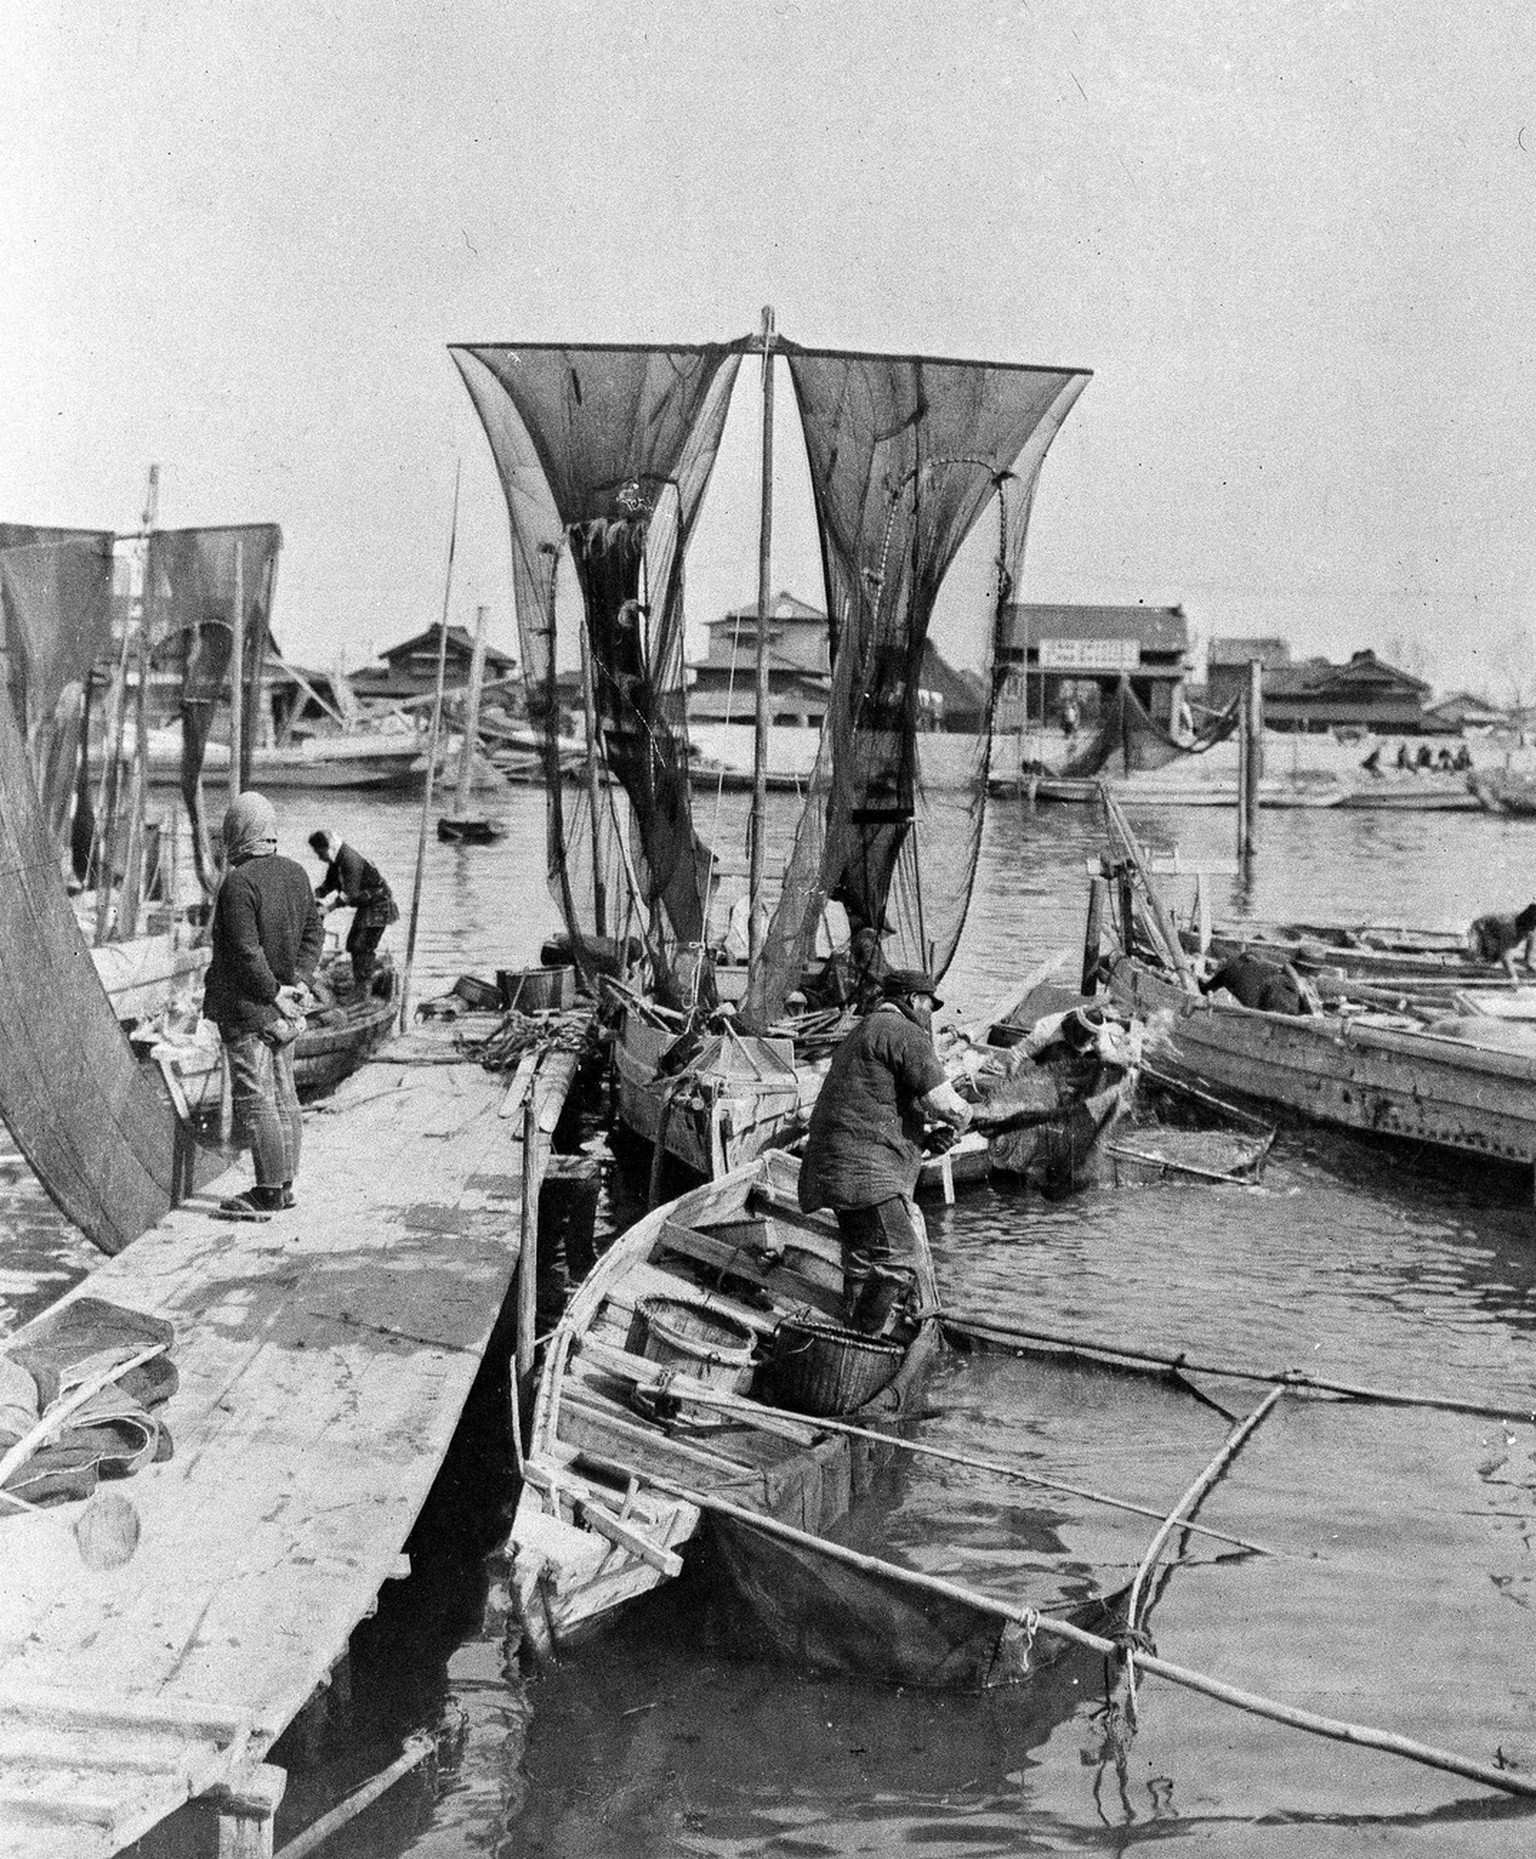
(55, 623)
(906, 455)
(193, 581)
(604, 455)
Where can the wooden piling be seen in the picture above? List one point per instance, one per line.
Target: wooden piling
(1250, 762)
(1093, 936)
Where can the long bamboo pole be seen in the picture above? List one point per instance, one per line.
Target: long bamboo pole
(1010, 1336)
(615, 1362)
(757, 849)
(237, 758)
(437, 723)
(1363, 1735)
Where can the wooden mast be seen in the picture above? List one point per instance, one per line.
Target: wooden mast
(755, 918)
(589, 718)
(237, 678)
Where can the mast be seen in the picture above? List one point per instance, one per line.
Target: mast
(755, 923)
(237, 680)
(589, 717)
(471, 718)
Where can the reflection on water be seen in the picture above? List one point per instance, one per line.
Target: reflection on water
(1403, 1592)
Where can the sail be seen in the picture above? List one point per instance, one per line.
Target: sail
(193, 580)
(55, 623)
(100, 1135)
(604, 455)
(907, 456)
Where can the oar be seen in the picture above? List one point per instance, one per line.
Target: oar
(1033, 1622)
(1011, 1337)
(697, 1393)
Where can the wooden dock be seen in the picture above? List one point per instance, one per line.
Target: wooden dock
(324, 1359)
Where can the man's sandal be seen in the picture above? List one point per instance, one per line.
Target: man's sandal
(245, 1207)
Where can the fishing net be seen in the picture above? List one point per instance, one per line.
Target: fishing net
(1128, 730)
(604, 455)
(100, 1135)
(906, 456)
(195, 580)
(55, 623)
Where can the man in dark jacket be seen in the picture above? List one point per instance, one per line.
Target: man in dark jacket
(352, 883)
(267, 937)
(865, 1145)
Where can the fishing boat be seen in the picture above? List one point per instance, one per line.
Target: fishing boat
(1456, 1078)
(1389, 957)
(604, 455)
(694, 1385)
(1412, 791)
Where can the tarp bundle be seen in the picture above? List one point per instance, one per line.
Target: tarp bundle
(604, 455)
(906, 455)
(1129, 731)
(55, 623)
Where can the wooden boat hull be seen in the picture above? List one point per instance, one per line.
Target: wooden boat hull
(743, 1096)
(1381, 954)
(616, 1487)
(1361, 1073)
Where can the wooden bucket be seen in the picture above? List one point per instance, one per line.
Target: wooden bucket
(536, 990)
(704, 1343)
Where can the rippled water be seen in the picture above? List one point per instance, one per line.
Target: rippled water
(1403, 1593)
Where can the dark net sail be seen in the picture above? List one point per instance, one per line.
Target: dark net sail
(604, 455)
(55, 624)
(907, 457)
(95, 1124)
(1129, 734)
(195, 580)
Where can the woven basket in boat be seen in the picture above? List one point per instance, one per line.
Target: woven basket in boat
(707, 1344)
(818, 1367)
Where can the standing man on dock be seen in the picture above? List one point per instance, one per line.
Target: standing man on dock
(865, 1145)
(267, 937)
(358, 886)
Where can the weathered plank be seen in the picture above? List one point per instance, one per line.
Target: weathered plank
(324, 1358)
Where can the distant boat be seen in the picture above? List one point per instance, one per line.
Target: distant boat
(461, 827)
(359, 759)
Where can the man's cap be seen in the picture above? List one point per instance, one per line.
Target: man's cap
(903, 981)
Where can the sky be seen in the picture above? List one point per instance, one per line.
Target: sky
(1295, 243)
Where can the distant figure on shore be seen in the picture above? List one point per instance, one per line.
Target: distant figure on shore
(1463, 762)
(1404, 759)
(1495, 938)
(1425, 757)
(1271, 987)
(352, 883)
(1372, 762)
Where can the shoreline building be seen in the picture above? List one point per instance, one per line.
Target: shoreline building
(722, 686)
(1315, 695)
(1052, 656)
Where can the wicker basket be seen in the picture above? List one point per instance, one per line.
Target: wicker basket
(818, 1367)
(704, 1343)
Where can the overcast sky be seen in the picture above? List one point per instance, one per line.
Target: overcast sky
(1295, 243)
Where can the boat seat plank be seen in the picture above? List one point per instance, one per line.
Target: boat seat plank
(788, 1284)
(604, 1428)
(643, 1281)
(324, 1357)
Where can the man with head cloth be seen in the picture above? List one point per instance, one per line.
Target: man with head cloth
(865, 1145)
(267, 937)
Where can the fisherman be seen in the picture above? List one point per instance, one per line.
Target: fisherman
(267, 937)
(359, 887)
(865, 1145)
(1404, 759)
(1270, 987)
(1495, 938)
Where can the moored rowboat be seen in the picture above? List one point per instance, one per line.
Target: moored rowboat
(703, 1356)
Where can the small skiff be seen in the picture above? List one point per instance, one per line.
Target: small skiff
(688, 1390)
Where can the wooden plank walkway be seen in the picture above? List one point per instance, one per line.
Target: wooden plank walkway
(324, 1359)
